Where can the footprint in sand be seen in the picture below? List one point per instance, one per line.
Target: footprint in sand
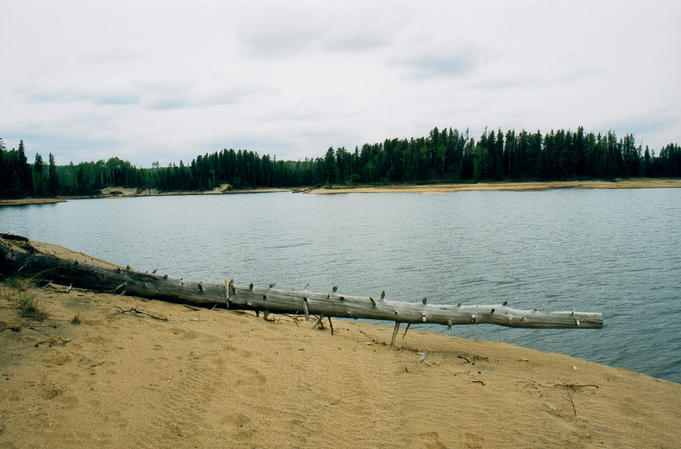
(472, 441)
(237, 420)
(431, 440)
(59, 359)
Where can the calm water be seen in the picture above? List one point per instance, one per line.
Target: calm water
(612, 251)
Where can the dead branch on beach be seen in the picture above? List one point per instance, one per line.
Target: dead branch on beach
(18, 256)
(135, 310)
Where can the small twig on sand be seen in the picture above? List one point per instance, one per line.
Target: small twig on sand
(141, 312)
(318, 323)
(478, 382)
(340, 399)
(569, 387)
(576, 386)
(369, 337)
(571, 401)
(294, 318)
(54, 341)
(191, 308)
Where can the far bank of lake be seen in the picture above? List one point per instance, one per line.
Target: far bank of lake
(530, 186)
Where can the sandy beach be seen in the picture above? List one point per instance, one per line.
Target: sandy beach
(642, 183)
(128, 192)
(139, 373)
(27, 201)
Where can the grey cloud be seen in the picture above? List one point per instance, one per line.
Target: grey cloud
(446, 64)
(573, 75)
(534, 81)
(273, 44)
(113, 56)
(359, 38)
(66, 146)
(284, 32)
(145, 95)
(174, 98)
(356, 43)
(290, 44)
(296, 31)
(642, 124)
(78, 95)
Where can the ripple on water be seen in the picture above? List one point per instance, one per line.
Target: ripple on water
(613, 251)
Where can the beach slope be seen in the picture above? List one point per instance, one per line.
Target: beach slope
(136, 374)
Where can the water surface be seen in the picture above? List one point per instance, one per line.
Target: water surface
(612, 251)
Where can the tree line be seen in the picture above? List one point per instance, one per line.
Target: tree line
(447, 155)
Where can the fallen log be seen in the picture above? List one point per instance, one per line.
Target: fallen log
(19, 257)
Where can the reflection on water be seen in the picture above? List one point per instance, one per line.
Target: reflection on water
(613, 251)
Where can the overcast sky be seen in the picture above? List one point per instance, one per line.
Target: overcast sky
(167, 80)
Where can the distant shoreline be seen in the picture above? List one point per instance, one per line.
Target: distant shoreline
(532, 186)
(637, 183)
(27, 201)
(127, 192)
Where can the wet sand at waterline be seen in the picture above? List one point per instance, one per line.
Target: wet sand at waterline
(137, 373)
(644, 183)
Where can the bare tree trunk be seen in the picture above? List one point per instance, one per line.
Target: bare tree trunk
(18, 256)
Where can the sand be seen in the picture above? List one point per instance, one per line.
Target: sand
(643, 183)
(222, 189)
(220, 379)
(129, 192)
(27, 201)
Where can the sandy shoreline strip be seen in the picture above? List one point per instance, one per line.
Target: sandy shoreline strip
(647, 183)
(115, 192)
(27, 201)
(127, 192)
(140, 374)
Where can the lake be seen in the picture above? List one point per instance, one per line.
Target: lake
(612, 251)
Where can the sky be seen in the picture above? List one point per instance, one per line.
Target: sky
(151, 80)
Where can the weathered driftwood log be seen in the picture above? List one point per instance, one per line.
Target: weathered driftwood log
(18, 256)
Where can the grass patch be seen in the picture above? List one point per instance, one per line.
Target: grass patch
(17, 292)
(17, 283)
(28, 307)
